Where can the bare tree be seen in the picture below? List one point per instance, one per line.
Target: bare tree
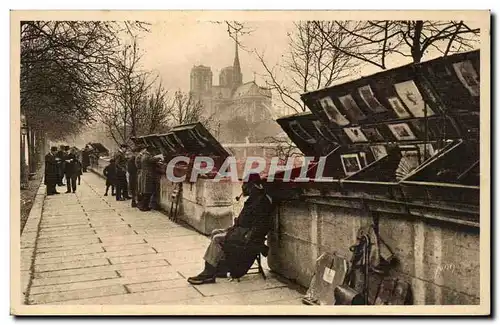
(310, 63)
(132, 107)
(63, 64)
(185, 109)
(373, 41)
(284, 149)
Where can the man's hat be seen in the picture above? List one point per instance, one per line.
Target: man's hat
(124, 146)
(252, 178)
(54, 148)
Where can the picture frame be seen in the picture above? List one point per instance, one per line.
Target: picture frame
(379, 151)
(402, 132)
(398, 107)
(332, 112)
(324, 131)
(367, 95)
(301, 132)
(413, 99)
(351, 108)
(350, 163)
(468, 76)
(372, 134)
(355, 134)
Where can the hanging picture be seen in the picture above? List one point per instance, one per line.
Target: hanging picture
(355, 134)
(323, 131)
(402, 131)
(411, 96)
(332, 112)
(468, 76)
(351, 108)
(370, 100)
(350, 163)
(363, 160)
(397, 106)
(300, 132)
(372, 134)
(378, 152)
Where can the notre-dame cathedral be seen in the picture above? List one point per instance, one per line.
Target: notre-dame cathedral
(242, 112)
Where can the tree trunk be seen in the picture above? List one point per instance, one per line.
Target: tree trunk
(416, 50)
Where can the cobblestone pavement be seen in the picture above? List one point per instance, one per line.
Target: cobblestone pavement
(85, 248)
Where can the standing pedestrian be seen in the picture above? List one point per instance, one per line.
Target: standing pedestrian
(121, 174)
(148, 167)
(71, 170)
(110, 174)
(140, 184)
(60, 171)
(132, 175)
(51, 177)
(85, 158)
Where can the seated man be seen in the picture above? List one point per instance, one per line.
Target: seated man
(251, 227)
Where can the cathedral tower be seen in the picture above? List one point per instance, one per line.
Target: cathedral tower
(237, 76)
(201, 80)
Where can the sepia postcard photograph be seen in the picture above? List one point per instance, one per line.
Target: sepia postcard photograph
(250, 162)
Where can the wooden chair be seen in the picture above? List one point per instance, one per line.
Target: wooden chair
(257, 269)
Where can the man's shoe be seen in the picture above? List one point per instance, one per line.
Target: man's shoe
(202, 278)
(221, 275)
(105, 194)
(134, 204)
(67, 192)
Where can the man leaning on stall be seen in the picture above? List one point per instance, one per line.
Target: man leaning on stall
(251, 227)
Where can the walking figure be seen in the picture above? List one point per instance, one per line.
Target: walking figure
(110, 174)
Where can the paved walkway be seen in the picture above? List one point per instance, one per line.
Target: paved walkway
(86, 248)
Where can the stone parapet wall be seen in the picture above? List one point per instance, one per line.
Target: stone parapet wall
(439, 259)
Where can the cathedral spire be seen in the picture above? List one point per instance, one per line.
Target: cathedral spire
(237, 76)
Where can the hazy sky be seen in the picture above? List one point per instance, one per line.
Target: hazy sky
(173, 48)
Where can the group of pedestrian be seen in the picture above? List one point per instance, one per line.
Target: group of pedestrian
(143, 182)
(62, 163)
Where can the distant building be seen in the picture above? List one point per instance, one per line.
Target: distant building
(242, 111)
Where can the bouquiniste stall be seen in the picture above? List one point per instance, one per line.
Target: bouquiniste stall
(402, 147)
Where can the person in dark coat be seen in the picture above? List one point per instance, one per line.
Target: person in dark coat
(71, 170)
(85, 158)
(251, 227)
(147, 185)
(61, 157)
(133, 174)
(110, 173)
(51, 177)
(121, 189)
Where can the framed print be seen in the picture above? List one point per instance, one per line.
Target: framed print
(355, 134)
(467, 76)
(410, 159)
(378, 152)
(363, 160)
(372, 134)
(402, 131)
(332, 112)
(350, 163)
(370, 100)
(300, 132)
(398, 107)
(411, 96)
(324, 132)
(351, 108)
